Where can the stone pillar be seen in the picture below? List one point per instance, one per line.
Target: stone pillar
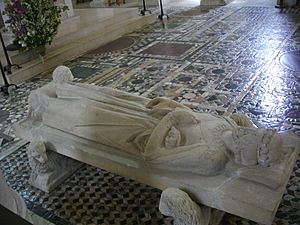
(70, 12)
(1, 20)
(99, 3)
(3, 17)
(70, 5)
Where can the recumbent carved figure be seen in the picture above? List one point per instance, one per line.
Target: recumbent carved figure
(164, 144)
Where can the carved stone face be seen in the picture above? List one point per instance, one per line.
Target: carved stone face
(252, 147)
(173, 138)
(203, 143)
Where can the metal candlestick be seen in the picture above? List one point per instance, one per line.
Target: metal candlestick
(5, 87)
(162, 11)
(144, 10)
(9, 64)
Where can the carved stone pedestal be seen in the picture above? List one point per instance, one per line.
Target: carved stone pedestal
(185, 211)
(49, 168)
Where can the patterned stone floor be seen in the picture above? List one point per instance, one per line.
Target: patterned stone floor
(230, 59)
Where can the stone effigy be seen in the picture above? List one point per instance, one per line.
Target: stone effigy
(221, 162)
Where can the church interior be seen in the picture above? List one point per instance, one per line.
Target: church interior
(218, 57)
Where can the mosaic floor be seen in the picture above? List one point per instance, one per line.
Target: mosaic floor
(230, 59)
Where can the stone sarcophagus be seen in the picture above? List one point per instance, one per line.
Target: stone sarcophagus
(221, 162)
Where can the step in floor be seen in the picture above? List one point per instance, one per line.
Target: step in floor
(113, 24)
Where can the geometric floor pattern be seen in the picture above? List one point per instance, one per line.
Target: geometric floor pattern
(90, 196)
(291, 60)
(227, 60)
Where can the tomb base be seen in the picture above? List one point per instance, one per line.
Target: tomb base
(48, 168)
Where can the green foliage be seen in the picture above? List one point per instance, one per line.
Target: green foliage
(34, 23)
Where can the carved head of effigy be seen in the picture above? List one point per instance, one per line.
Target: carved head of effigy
(62, 74)
(173, 138)
(252, 147)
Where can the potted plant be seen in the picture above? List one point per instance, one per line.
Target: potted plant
(33, 23)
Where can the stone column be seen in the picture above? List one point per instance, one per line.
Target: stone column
(70, 5)
(3, 17)
(70, 12)
(99, 3)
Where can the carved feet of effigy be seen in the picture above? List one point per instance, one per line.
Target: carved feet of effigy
(185, 211)
(48, 168)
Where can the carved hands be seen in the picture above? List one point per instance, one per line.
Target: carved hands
(241, 120)
(161, 106)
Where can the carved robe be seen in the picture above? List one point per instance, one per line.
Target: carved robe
(99, 114)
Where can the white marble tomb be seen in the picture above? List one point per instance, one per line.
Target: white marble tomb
(221, 162)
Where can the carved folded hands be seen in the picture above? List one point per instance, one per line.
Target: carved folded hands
(160, 106)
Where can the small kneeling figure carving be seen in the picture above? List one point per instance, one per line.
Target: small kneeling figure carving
(48, 168)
